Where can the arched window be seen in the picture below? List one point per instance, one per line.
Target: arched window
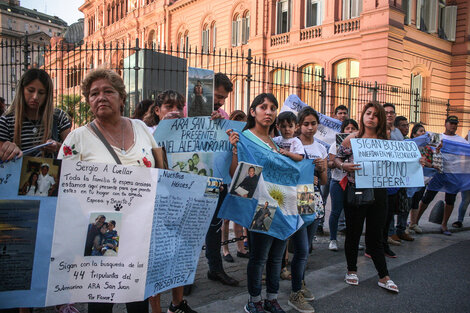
(345, 90)
(183, 43)
(152, 40)
(240, 29)
(310, 84)
(281, 81)
(417, 94)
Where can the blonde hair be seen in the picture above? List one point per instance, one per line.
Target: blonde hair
(46, 111)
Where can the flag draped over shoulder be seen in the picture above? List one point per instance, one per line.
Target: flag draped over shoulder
(283, 188)
(455, 175)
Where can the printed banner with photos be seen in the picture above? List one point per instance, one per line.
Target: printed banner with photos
(269, 192)
(328, 127)
(387, 163)
(110, 235)
(198, 145)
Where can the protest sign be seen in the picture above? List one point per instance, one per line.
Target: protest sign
(387, 163)
(273, 208)
(200, 92)
(328, 127)
(25, 239)
(119, 233)
(198, 145)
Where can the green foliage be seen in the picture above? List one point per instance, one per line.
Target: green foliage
(78, 110)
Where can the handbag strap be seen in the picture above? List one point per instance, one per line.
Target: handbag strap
(105, 142)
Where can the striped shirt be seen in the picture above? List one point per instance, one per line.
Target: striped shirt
(29, 138)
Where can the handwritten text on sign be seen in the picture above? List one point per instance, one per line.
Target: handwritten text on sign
(387, 163)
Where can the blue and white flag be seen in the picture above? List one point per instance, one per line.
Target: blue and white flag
(455, 176)
(328, 127)
(283, 190)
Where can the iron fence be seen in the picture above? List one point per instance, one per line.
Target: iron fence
(148, 69)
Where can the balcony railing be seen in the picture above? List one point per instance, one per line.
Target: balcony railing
(347, 26)
(311, 32)
(280, 39)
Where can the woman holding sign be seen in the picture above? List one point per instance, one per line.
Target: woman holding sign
(32, 120)
(109, 138)
(264, 249)
(374, 207)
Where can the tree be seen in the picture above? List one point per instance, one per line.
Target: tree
(78, 110)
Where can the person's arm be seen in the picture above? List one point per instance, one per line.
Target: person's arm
(321, 165)
(331, 161)
(339, 161)
(294, 156)
(233, 138)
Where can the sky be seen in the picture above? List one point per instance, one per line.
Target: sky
(64, 9)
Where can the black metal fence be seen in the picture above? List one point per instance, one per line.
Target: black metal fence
(167, 67)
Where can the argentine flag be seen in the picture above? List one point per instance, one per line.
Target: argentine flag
(283, 189)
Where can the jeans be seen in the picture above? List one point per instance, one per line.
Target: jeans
(264, 250)
(214, 237)
(299, 261)
(402, 218)
(464, 204)
(375, 216)
(325, 192)
(337, 196)
(311, 231)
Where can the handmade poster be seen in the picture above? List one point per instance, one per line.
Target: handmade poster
(387, 163)
(26, 231)
(328, 127)
(114, 234)
(273, 207)
(184, 207)
(87, 264)
(200, 99)
(198, 145)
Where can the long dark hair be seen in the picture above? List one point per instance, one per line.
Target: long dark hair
(30, 180)
(381, 129)
(415, 129)
(348, 121)
(250, 122)
(141, 108)
(167, 96)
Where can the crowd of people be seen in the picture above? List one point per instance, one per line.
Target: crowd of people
(32, 120)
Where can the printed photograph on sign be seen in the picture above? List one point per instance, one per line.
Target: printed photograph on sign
(102, 237)
(200, 97)
(263, 217)
(305, 199)
(213, 187)
(18, 229)
(339, 139)
(39, 177)
(246, 180)
(435, 139)
(199, 163)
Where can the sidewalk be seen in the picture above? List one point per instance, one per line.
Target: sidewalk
(324, 267)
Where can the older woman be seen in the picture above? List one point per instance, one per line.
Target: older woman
(32, 120)
(109, 138)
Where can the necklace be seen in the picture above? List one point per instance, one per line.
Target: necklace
(36, 126)
(123, 150)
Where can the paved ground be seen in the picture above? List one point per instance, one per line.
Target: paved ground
(432, 273)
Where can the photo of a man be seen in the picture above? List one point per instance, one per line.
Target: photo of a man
(246, 180)
(93, 231)
(263, 217)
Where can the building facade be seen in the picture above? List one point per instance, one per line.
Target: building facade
(19, 27)
(421, 46)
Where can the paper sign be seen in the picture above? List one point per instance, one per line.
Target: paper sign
(387, 163)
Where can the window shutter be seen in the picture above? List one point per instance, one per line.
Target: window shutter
(432, 16)
(279, 18)
(406, 6)
(419, 4)
(234, 33)
(320, 8)
(214, 37)
(244, 39)
(247, 28)
(346, 9)
(450, 21)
